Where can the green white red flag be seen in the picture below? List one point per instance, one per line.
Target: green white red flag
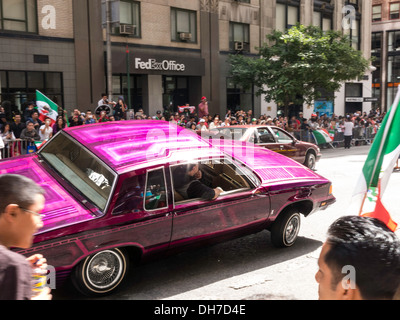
(322, 136)
(378, 168)
(46, 107)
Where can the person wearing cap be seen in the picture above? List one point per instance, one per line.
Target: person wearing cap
(203, 108)
(158, 115)
(254, 121)
(202, 125)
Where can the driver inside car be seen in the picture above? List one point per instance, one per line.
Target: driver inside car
(187, 183)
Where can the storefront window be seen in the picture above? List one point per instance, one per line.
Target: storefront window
(20, 87)
(120, 88)
(238, 98)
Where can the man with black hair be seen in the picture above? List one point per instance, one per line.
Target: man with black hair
(21, 202)
(360, 260)
(187, 183)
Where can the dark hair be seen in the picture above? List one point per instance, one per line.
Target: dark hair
(17, 189)
(372, 249)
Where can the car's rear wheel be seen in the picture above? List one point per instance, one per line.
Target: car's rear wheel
(285, 229)
(311, 160)
(101, 273)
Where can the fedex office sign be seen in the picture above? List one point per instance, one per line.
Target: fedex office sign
(153, 64)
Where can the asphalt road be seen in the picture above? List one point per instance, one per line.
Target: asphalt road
(250, 267)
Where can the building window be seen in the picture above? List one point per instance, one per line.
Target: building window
(20, 87)
(129, 19)
(393, 41)
(376, 13)
(287, 15)
(239, 37)
(394, 11)
(18, 15)
(183, 25)
(376, 42)
(323, 15)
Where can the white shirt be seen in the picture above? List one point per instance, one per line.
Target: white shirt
(46, 134)
(348, 128)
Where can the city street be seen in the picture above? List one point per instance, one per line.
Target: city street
(250, 267)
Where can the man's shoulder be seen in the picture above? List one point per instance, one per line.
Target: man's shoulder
(10, 258)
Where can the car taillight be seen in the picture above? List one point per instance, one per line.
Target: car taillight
(330, 190)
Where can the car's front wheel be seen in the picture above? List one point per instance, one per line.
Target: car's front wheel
(101, 273)
(311, 161)
(285, 229)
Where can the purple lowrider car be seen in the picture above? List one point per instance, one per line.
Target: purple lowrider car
(110, 197)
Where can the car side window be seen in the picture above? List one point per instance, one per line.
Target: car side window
(265, 136)
(282, 137)
(156, 190)
(130, 198)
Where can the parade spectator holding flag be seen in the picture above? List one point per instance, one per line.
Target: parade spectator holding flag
(46, 108)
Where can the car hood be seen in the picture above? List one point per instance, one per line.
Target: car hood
(61, 209)
(271, 167)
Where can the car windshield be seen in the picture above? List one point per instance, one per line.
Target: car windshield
(80, 168)
(233, 133)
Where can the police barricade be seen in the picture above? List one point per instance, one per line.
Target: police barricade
(14, 148)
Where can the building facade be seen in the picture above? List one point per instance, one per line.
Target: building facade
(385, 49)
(164, 53)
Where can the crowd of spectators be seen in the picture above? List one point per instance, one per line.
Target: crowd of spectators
(28, 124)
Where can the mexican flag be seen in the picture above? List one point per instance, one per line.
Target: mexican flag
(322, 136)
(378, 168)
(46, 107)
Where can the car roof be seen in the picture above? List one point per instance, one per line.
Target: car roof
(122, 144)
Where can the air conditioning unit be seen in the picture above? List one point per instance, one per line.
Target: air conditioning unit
(184, 36)
(127, 29)
(239, 46)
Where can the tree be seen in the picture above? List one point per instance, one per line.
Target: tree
(299, 65)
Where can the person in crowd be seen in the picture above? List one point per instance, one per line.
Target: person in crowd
(90, 118)
(360, 260)
(17, 126)
(187, 183)
(28, 111)
(214, 124)
(203, 108)
(3, 118)
(76, 119)
(29, 133)
(59, 125)
(46, 130)
(348, 132)
(104, 101)
(120, 109)
(37, 123)
(103, 117)
(159, 115)
(7, 136)
(21, 202)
